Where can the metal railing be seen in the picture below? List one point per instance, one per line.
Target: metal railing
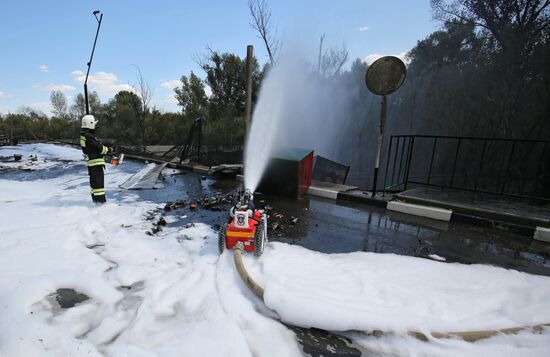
(509, 167)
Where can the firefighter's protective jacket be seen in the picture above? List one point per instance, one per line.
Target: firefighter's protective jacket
(92, 148)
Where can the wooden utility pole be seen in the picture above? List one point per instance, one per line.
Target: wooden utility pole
(248, 104)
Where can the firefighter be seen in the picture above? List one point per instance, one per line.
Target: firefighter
(94, 153)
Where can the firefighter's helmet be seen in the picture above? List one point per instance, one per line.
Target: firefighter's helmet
(89, 121)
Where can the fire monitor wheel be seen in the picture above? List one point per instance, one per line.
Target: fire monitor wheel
(221, 238)
(259, 239)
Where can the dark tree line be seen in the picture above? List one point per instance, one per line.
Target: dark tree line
(485, 74)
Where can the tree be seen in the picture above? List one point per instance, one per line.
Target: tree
(123, 111)
(261, 22)
(143, 89)
(330, 61)
(191, 97)
(456, 44)
(60, 126)
(59, 104)
(493, 52)
(166, 128)
(515, 25)
(226, 77)
(34, 123)
(78, 109)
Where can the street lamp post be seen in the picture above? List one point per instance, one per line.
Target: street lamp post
(89, 64)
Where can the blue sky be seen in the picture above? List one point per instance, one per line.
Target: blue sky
(46, 44)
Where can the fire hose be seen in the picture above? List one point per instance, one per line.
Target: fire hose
(246, 278)
(469, 336)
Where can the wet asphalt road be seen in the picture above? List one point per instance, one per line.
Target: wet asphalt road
(334, 227)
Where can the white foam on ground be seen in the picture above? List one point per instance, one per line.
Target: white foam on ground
(46, 156)
(52, 236)
(367, 291)
(47, 151)
(185, 300)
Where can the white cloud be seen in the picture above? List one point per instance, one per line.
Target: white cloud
(2, 94)
(44, 68)
(170, 84)
(363, 28)
(374, 56)
(104, 83)
(51, 86)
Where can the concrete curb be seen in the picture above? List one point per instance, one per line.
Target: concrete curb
(492, 223)
(542, 234)
(439, 214)
(322, 192)
(509, 218)
(329, 190)
(360, 197)
(525, 226)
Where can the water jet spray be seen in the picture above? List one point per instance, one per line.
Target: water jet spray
(297, 107)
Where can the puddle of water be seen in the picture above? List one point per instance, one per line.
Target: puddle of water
(317, 342)
(67, 298)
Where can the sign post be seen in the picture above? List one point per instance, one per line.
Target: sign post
(384, 77)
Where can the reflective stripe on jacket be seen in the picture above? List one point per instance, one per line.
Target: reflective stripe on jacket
(92, 148)
(95, 162)
(98, 191)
